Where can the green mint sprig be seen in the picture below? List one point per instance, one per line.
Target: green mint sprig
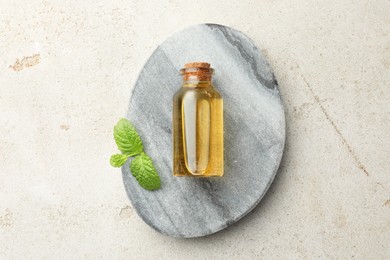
(130, 144)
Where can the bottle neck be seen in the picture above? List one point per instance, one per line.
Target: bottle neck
(197, 77)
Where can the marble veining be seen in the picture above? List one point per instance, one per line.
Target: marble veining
(254, 132)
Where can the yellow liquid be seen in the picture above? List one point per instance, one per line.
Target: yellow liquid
(197, 131)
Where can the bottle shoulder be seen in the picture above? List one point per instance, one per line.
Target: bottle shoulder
(184, 92)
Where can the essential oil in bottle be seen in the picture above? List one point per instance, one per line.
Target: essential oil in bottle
(197, 124)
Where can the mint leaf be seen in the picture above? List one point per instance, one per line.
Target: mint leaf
(143, 170)
(127, 138)
(117, 160)
(130, 144)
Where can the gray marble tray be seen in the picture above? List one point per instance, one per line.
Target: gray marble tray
(254, 132)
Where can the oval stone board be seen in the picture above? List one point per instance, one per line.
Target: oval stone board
(254, 126)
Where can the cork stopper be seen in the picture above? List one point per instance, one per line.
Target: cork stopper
(197, 65)
(198, 71)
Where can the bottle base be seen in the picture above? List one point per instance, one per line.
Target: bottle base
(198, 175)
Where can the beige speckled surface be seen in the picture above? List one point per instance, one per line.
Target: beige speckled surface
(63, 71)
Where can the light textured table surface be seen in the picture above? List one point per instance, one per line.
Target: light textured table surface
(63, 69)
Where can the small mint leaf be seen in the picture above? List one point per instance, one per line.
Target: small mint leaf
(143, 170)
(117, 160)
(127, 138)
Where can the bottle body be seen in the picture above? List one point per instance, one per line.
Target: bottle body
(197, 130)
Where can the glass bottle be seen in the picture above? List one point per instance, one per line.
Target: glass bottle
(197, 124)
